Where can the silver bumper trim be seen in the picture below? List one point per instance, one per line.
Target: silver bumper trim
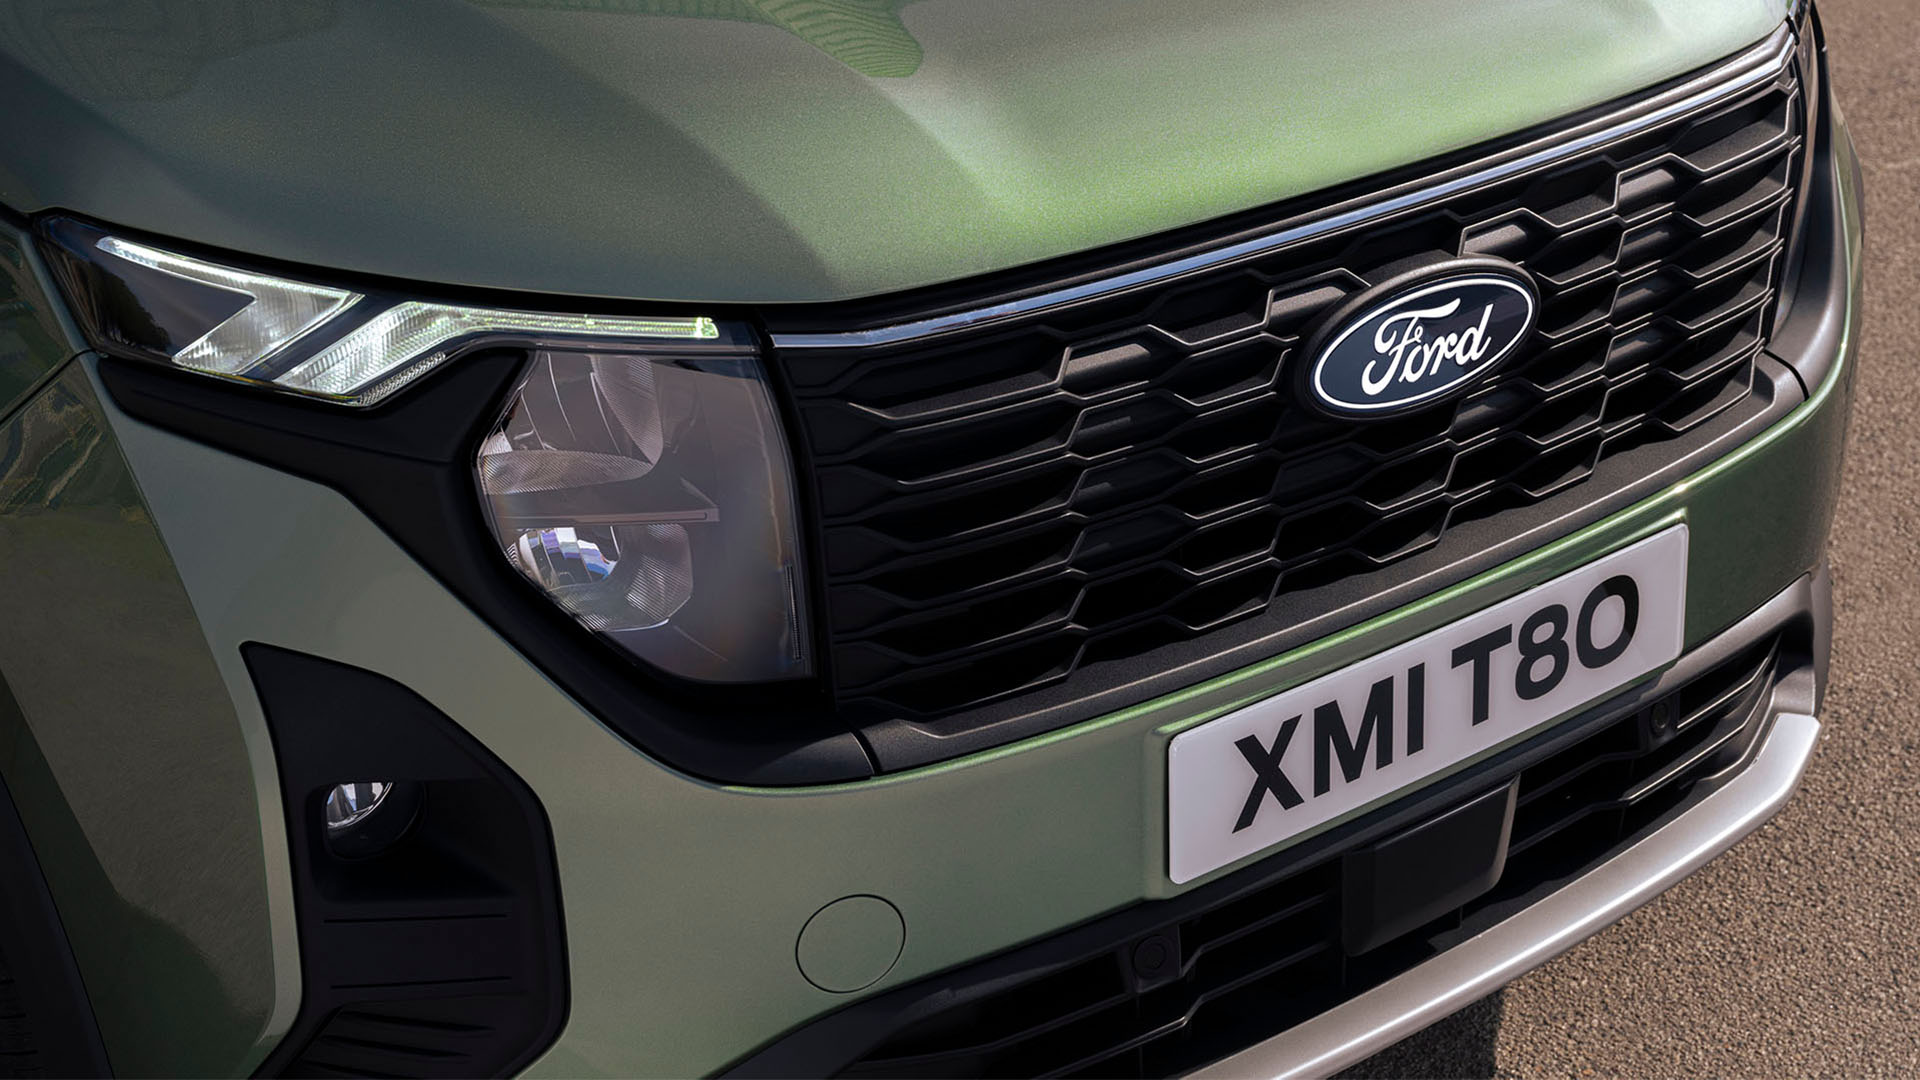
(1475, 968)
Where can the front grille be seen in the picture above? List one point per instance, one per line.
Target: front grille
(1266, 959)
(1003, 508)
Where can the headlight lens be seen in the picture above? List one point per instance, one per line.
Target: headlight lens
(638, 475)
(649, 494)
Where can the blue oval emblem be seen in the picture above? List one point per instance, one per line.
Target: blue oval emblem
(1412, 344)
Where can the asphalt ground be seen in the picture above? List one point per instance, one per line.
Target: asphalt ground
(1798, 952)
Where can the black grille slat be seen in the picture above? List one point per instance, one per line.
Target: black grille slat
(1267, 958)
(1001, 508)
(911, 1064)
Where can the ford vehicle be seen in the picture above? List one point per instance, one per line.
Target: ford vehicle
(889, 538)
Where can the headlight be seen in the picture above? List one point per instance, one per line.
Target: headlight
(648, 493)
(638, 475)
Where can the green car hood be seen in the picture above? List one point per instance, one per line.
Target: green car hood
(771, 150)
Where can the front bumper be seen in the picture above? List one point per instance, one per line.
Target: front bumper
(1272, 949)
(683, 900)
(1377, 1018)
(1472, 970)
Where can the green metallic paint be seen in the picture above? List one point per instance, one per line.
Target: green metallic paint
(868, 36)
(34, 340)
(772, 150)
(850, 944)
(680, 893)
(131, 778)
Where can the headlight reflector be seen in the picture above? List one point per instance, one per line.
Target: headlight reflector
(648, 493)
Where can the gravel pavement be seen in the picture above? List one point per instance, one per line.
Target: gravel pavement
(1798, 952)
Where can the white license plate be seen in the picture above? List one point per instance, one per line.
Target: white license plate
(1262, 775)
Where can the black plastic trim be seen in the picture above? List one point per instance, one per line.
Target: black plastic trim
(449, 939)
(1619, 482)
(1813, 315)
(824, 1046)
(1810, 55)
(1425, 871)
(55, 1033)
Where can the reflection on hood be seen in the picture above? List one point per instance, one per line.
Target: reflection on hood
(148, 51)
(152, 51)
(865, 35)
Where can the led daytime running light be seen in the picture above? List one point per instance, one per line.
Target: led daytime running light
(409, 339)
(376, 346)
(281, 312)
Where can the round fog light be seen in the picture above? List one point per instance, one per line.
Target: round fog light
(365, 817)
(350, 804)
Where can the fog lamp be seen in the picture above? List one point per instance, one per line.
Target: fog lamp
(365, 817)
(349, 804)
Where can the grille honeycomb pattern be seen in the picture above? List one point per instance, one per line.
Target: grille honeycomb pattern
(1003, 507)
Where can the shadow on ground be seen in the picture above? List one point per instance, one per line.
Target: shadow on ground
(1465, 1042)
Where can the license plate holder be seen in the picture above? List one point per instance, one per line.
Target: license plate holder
(1268, 774)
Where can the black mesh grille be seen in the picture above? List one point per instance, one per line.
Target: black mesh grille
(1271, 957)
(1002, 508)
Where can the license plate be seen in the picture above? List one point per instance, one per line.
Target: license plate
(1263, 775)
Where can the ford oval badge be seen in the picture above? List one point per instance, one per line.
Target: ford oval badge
(1419, 339)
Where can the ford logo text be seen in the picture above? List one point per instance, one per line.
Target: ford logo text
(1413, 343)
